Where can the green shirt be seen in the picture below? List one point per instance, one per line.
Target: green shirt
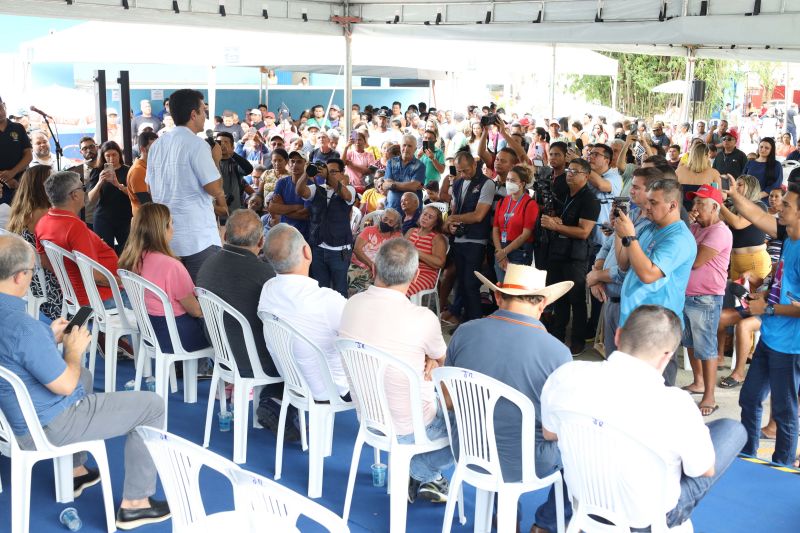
(431, 174)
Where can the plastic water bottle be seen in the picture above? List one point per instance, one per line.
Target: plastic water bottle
(69, 517)
(150, 384)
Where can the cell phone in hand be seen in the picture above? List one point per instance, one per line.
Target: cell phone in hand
(426, 145)
(81, 317)
(108, 166)
(354, 135)
(453, 170)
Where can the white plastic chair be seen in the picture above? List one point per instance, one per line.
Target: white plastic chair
(281, 337)
(225, 370)
(788, 167)
(279, 505)
(433, 293)
(366, 366)
(370, 219)
(178, 462)
(441, 206)
(56, 255)
(149, 347)
(596, 458)
(474, 397)
(22, 461)
(115, 323)
(355, 220)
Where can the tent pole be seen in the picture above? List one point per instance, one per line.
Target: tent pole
(553, 85)
(212, 92)
(348, 83)
(260, 83)
(690, 51)
(614, 85)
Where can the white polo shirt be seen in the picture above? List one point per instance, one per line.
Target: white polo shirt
(315, 312)
(179, 165)
(629, 394)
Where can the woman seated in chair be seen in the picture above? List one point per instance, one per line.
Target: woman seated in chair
(432, 247)
(362, 270)
(29, 205)
(148, 254)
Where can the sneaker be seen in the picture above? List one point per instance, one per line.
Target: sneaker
(434, 491)
(413, 489)
(269, 416)
(79, 483)
(133, 518)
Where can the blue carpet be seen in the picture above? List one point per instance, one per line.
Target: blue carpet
(749, 497)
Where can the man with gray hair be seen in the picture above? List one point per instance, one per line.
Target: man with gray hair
(236, 274)
(414, 336)
(664, 419)
(298, 299)
(404, 173)
(60, 390)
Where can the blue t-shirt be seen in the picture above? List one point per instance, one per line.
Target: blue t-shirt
(285, 187)
(673, 250)
(396, 171)
(782, 333)
(28, 349)
(517, 350)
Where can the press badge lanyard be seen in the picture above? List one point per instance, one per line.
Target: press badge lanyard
(507, 217)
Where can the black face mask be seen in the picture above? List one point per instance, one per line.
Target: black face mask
(385, 228)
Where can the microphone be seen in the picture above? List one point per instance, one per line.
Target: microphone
(210, 138)
(37, 110)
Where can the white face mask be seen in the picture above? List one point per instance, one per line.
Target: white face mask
(512, 187)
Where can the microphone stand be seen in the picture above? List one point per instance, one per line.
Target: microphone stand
(59, 151)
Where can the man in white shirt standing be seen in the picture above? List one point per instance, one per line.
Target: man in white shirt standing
(627, 392)
(183, 174)
(312, 310)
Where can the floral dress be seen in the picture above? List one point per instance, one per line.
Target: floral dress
(52, 307)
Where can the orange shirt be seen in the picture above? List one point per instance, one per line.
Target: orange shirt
(136, 182)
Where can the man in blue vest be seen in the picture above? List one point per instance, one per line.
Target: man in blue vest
(472, 196)
(331, 203)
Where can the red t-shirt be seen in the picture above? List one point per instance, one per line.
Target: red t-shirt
(68, 231)
(523, 215)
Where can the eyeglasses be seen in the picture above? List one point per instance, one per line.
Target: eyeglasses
(90, 147)
(727, 138)
(572, 171)
(597, 154)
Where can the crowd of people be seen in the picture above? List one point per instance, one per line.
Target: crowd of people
(542, 240)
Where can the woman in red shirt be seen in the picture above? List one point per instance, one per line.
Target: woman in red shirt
(514, 220)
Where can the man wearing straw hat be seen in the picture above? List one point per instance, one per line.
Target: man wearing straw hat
(512, 346)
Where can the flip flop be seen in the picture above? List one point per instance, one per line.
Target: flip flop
(713, 409)
(690, 391)
(764, 436)
(729, 382)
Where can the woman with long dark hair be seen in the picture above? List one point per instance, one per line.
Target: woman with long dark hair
(765, 167)
(108, 187)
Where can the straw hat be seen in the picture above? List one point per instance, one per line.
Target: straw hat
(524, 280)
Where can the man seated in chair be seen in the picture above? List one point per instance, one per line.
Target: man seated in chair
(383, 317)
(627, 392)
(236, 274)
(312, 310)
(512, 346)
(58, 386)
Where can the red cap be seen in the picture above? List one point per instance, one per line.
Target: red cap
(524, 122)
(706, 191)
(732, 133)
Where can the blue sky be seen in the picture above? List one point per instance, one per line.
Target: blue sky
(19, 29)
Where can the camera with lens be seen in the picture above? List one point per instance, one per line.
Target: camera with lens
(621, 204)
(460, 230)
(544, 196)
(312, 169)
(488, 120)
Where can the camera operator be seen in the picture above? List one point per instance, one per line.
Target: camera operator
(330, 236)
(471, 201)
(548, 187)
(576, 216)
(183, 174)
(233, 168)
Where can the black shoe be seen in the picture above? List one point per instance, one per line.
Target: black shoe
(413, 489)
(434, 491)
(133, 518)
(92, 477)
(269, 416)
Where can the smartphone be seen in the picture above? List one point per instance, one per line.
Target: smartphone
(426, 145)
(453, 170)
(354, 135)
(538, 163)
(81, 317)
(108, 166)
(620, 204)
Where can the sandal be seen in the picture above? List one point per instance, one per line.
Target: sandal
(690, 391)
(729, 382)
(708, 410)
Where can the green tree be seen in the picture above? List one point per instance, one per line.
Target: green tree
(639, 73)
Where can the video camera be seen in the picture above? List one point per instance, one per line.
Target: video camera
(544, 196)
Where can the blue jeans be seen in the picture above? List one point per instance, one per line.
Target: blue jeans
(701, 316)
(111, 304)
(548, 460)
(428, 466)
(777, 372)
(521, 256)
(727, 437)
(329, 268)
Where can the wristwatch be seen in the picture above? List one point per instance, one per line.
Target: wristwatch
(769, 310)
(626, 241)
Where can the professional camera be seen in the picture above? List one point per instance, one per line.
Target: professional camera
(312, 169)
(544, 196)
(488, 120)
(460, 231)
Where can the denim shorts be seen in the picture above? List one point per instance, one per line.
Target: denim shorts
(701, 318)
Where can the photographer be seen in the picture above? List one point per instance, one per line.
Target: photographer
(330, 236)
(233, 169)
(568, 256)
(471, 201)
(183, 174)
